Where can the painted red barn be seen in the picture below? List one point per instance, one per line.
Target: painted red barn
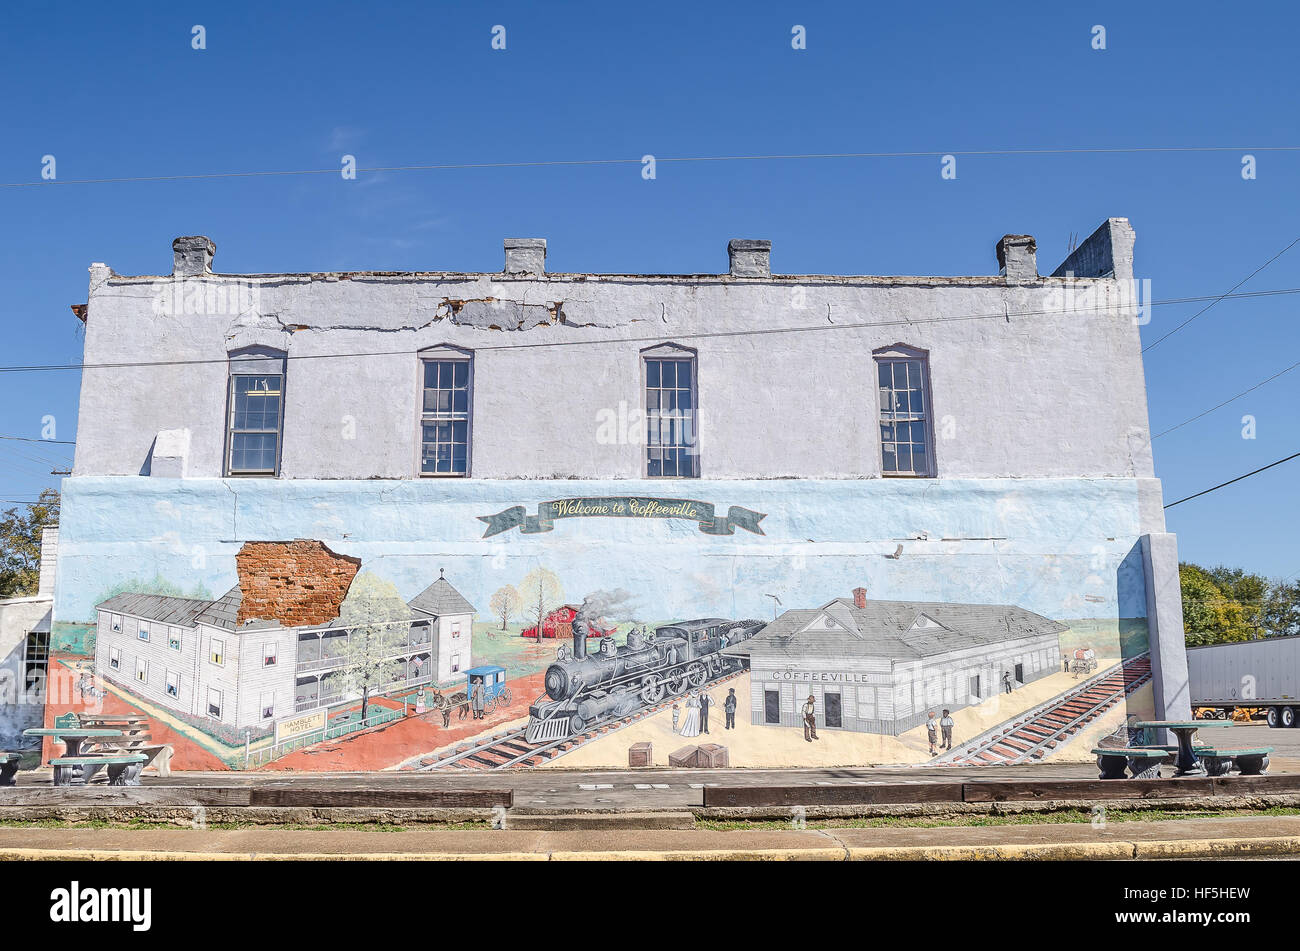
(559, 623)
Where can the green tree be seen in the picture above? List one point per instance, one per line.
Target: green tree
(1281, 613)
(1248, 590)
(1211, 615)
(20, 544)
(373, 612)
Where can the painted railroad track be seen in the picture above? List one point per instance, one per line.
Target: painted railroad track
(1042, 730)
(509, 749)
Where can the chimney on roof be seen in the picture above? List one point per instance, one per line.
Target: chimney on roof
(1108, 252)
(1018, 258)
(750, 257)
(526, 256)
(859, 598)
(192, 256)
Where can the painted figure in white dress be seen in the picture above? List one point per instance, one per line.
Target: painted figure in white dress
(691, 722)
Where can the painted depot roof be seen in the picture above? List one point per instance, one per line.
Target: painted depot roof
(441, 599)
(156, 607)
(900, 630)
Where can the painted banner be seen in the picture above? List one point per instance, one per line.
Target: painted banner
(630, 506)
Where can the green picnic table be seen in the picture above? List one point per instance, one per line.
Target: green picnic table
(1186, 762)
(69, 772)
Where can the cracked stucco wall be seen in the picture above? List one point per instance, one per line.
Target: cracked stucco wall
(1047, 395)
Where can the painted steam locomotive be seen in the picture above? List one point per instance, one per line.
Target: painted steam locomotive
(583, 688)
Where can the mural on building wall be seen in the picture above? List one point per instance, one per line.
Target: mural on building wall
(632, 637)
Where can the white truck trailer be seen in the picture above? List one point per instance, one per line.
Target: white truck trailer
(1262, 674)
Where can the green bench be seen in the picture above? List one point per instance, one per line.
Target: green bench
(8, 767)
(1250, 762)
(1143, 762)
(123, 769)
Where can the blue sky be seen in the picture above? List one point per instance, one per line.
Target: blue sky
(117, 91)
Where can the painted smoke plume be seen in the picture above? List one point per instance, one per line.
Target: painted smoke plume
(600, 607)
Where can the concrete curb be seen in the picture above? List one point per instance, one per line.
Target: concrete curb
(1091, 851)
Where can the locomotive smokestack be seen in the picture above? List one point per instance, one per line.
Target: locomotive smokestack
(579, 636)
(613, 605)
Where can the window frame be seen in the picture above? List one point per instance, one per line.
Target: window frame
(217, 657)
(903, 353)
(220, 704)
(670, 351)
(142, 668)
(168, 677)
(254, 362)
(36, 657)
(270, 654)
(444, 353)
(115, 659)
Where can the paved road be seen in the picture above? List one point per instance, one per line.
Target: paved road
(1286, 743)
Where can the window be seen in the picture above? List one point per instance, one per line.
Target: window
(217, 653)
(174, 638)
(36, 656)
(455, 630)
(143, 632)
(173, 684)
(214, 703)
(255, 418)
(269, 655)
(905, 443)
(114, 658)
(444, 414)
(268, 705)
(455, 663)
(115, 623)
(671, 413)
(142, 670)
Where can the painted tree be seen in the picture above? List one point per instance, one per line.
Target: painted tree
(378, 622)
(542, 593)
(20, 543)
(504, 602)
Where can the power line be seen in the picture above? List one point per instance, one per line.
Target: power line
(1160, 340)
(855, 325)
(558, 163)
(1225, 402)
(60, 442)
(1215, 488)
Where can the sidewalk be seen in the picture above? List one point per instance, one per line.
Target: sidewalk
(1180, 838)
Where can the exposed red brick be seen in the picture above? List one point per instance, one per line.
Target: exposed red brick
(295, 583)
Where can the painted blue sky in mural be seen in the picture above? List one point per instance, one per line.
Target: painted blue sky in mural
(1037, 544)
(116, 92)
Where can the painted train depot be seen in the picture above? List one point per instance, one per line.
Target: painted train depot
(771, 488)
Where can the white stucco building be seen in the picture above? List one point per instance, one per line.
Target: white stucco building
(706, 441)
